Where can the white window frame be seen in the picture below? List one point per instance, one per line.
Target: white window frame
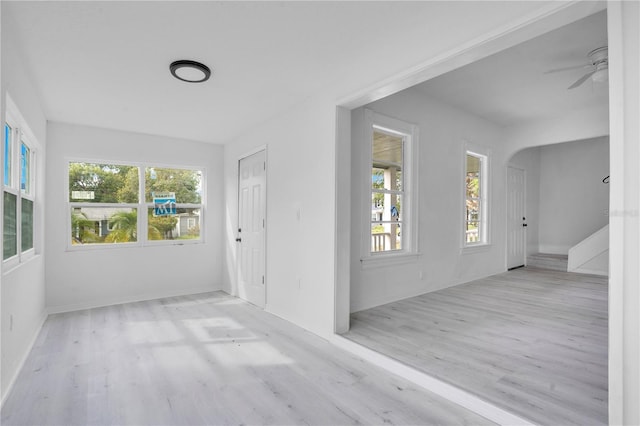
(409, 251)
(20, 134)
(484, 240)
(141, 206)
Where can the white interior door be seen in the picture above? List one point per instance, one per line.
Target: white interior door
(251, 228)
(516, 220)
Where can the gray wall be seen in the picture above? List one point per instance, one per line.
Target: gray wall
(444, 131)
(566, 199)
(574, 202)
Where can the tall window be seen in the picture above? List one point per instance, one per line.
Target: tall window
(19, 194)
(106, 202)
(390, 220)
(387, 193)
(475, 209)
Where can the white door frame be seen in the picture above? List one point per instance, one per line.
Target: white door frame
(247, 154)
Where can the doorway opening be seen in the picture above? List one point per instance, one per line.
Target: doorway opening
(443, 263)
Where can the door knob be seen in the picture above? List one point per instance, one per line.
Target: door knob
(238, 240)
(524, 224)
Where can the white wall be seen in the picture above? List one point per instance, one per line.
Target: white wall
(299, 262)
(574, 203)
(80, 279)
(529, 161)
(444, 131)
(581, 124)
(301, 274)
(23, 287)
(624, 240)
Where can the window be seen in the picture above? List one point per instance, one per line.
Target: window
(105, 201)
(390, 225)
(18, 192)
(475, 205)
(386, 190)
(8, 132)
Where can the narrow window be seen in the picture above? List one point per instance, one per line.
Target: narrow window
(7, 154)
(9, 225)
(19, 194)
(25, 168)
(475, 209)
(387, 191)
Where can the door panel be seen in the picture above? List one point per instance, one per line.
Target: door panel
(251, 228)
(516, 220)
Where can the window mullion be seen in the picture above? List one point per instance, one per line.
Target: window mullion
(142, 209)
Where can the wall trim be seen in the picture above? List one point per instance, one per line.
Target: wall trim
(431, 384)
(43, 317)
(452, 283)
(535, 23)
(138, 298)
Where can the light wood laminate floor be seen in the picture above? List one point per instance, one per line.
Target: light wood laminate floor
(205, 359)
(531, 341)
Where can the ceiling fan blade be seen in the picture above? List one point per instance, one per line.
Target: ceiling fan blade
(575, 67)
(581, 80)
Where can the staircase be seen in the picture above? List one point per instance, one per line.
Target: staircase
(555, 262)
(591, 255)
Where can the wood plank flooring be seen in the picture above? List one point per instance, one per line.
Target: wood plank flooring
(531, 341)
(205, 359)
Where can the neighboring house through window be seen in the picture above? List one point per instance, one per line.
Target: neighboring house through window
(105, 201)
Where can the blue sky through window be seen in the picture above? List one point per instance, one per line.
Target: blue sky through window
(24, 167)
(7, 155)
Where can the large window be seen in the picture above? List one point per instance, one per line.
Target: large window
(18, 193)
(111, 203)
(390, 224)
(475, 206)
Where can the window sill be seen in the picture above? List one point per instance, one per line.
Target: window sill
(477, 248)
(136, 244)
(392, 259)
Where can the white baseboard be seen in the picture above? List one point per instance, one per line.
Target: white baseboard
(438, 387)
(23, 360)
(361, 306)
(554, 249)
(591, 272)
(132, 299)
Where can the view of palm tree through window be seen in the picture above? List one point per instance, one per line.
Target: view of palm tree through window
(105, 200)
(386, 191)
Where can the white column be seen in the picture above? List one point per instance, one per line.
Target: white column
(624, 240)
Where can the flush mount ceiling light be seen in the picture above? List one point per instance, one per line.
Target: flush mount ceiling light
(190, 71)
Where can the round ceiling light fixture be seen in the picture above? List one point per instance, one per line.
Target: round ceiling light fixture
(190, 71)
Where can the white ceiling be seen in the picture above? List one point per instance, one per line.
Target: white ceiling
(106, 64)
(511, 87)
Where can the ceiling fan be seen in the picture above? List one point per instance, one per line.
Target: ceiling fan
(597, 68)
